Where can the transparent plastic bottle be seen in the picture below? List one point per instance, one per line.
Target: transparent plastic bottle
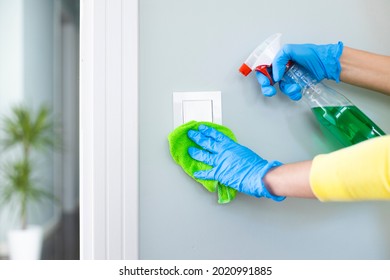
(332, 109)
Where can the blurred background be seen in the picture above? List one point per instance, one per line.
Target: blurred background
(39, 69)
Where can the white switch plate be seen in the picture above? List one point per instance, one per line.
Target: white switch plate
(197, 106)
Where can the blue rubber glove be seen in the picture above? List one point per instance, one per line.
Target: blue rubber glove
(233, 165)
(322, 61)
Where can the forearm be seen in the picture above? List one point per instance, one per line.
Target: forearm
(359, 172)
(291, 180)
(364, 69)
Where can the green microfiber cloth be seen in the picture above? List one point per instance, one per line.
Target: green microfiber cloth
(178, 146)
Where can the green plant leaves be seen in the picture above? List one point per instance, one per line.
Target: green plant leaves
(29, 131)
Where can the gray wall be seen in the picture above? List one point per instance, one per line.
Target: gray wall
(195, 45)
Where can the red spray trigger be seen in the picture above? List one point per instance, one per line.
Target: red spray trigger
(266, 70)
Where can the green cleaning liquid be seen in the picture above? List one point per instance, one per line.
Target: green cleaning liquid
(347, 123)
(332, 109)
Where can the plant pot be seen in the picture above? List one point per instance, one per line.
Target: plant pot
(25, 244)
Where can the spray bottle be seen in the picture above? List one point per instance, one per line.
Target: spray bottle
(332, 109)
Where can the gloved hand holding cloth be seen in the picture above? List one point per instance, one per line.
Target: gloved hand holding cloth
(233, 164)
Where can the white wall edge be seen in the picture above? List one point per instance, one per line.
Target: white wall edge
(108, 227)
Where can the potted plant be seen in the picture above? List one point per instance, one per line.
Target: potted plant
(28, 133)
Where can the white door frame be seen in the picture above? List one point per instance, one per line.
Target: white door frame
(109, 129)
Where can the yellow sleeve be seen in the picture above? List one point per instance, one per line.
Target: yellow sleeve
(359, 172)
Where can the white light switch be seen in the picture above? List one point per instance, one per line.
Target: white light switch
(198, 106)
(197, 110)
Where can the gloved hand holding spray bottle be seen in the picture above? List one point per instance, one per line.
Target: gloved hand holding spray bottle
(333, 110)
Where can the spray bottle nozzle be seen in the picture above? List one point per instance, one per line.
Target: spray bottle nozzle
(262, 55)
